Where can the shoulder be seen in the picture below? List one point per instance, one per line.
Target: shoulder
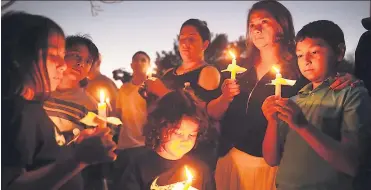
(209, 78)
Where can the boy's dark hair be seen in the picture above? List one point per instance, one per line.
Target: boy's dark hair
(201, 27)
(167, 114)
(83, 40)
(326, 30)
(141, 52)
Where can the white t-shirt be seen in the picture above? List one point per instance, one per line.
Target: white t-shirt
(134, 115)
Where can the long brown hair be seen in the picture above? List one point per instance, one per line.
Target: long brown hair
(24, 53)
(286, 37)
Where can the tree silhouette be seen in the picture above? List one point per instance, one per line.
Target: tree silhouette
(347, 65)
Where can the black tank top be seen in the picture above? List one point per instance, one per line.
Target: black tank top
(174, 81)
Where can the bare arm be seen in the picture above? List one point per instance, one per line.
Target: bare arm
(217, 107)
(272, 145)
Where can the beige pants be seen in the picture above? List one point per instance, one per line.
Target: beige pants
(240, 171)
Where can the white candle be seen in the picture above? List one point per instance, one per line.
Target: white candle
(102, 107)
(277, 90)
(234, 64)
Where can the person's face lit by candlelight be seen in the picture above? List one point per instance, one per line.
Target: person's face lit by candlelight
(181, 140)
(140, 64)
(263, 29)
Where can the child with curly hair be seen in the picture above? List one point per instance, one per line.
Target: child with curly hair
(174, 126)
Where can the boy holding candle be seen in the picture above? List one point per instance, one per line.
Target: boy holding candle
(70, 102)
(318, 140)
(174, 126)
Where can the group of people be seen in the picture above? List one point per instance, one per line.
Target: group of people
(193, 127)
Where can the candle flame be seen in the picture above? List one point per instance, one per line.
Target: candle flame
(101, 96)
(231, 53)
(151, 70)
(276, 69)
(189, 174)
(107, 100)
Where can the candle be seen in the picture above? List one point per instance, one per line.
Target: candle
(234, 64)
(189, 179)
(102, 107)
(150, 71)
(277, 90)
(233, 67)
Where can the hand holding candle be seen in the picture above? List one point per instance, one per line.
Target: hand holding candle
(234, 68)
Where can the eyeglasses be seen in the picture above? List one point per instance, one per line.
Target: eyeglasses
(76, 57)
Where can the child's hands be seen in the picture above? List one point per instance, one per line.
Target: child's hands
(291, 113)
(269, 108)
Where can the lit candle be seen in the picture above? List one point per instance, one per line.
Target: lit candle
(234, 64)
(102, 107)
(150, 71)
(233, 67)
(277, 90)
(189, 179)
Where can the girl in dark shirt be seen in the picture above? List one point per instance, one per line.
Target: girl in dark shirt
(33, 64)
(174, 126)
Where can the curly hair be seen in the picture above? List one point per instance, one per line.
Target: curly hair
(165, 116)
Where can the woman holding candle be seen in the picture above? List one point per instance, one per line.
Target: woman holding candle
(204, 79)
(270, 42)
(175, 125)
(32, 56)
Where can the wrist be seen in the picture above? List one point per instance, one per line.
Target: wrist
(224, 99)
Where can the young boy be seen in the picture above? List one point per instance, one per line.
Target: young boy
(318, 139)
(174, 126)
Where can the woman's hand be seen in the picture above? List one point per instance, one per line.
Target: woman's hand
(344, 80)
(230, 89)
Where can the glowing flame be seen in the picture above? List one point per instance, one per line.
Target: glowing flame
(231, 53)
(189, 175)
(101, 95)
(276, 69)
(107, 100)
(151, 70)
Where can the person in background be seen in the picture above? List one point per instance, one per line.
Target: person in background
(97, 82)
(362, 71)
(132, 108)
